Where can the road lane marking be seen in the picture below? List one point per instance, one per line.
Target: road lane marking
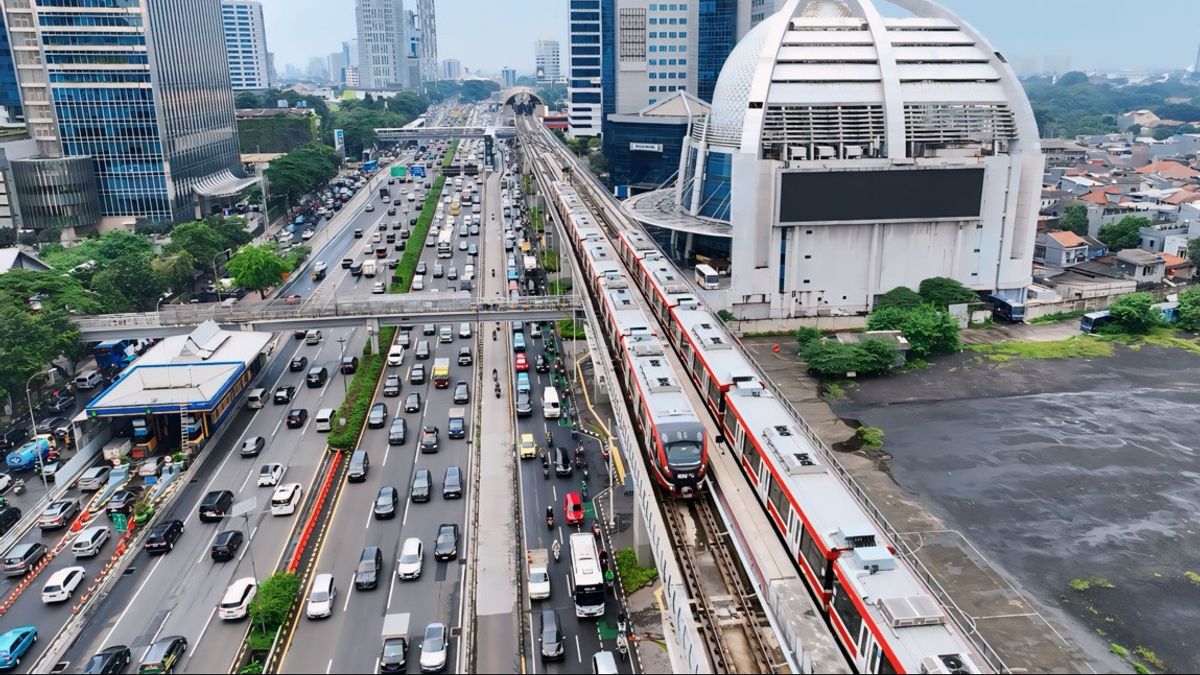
(160, 627)
(349, 594)
(249, 541)
(207, 623)
(277, 425)
(578, 651)
(329, 668)
(133, 600)
(391, 588)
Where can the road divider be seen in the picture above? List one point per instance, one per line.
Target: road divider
(359, 394)
(403, 276)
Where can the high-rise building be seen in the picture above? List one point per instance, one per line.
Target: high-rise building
(427, 20)
(10, 93)
(546, 61)
(752, 13)
(337, 67)
(382, 45)
(585, 85)
(413, 49)
(509, 76)
(246, 45)
(451, 70)
(352, 77)
(318, 69)
(120, 134)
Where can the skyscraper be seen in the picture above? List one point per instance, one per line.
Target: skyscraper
(413, 50)
(122, 134)
(10, 93)
(584, 86)
(382, 45)
(546, 61)
(427, 20)
(509, 76)
(451, 70)
(246, 45)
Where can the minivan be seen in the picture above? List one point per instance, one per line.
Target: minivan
(422, 352)
(256, 398)
(603, 663)
(89, 542)
(22, 557)
(464, 356)
(316, 377)
(418, 282)
(235, 604)
(325, 419)
(312, 337)
(551, 638)
(215, 505)
(88, 379)
(285, 499)
(360, 464)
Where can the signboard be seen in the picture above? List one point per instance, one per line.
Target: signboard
(647, 147)
(339, 140)
(399, 171)
(120, 522)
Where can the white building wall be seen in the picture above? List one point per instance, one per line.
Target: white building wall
(246, 45)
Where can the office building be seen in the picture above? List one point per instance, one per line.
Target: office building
(10, 93)
(546, 62)
(752, 12)
(585, 85)
(508, 76)
(246, 45)
(427, 21)
(451, 70)
(119, 134)
(351, 81)
(383, 46)
(318, 69)
(337, 67)
(413, 49)
(891, 164)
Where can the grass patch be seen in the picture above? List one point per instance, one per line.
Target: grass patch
(769, 333)
(872, 437)
(1089, 583)
(834, 391)
(253, 668)
(260, 641)
(448, 158)
(1141, 669)
(633, 576)
(358, 394)
(1082, 346)
(1118, 650)
(1150, 657)
(535, 217)
(569, 330)
(402, 278)
(559, 287)
(549, 260)
(1192, 577)
(1058, 316)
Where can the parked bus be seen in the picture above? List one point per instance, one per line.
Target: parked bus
(587, 579)
(706, 277)
(445, 247)
(114, 354)
(1090, 323)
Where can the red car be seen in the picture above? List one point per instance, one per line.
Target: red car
(521, 363)
(573, 508)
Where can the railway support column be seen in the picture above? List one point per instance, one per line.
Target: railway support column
(373, 332)
(641, 537)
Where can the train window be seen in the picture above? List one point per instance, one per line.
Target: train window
(756, 461)
(873, 662)
(778, 499)
(730, 422)
(845, 609)
(714, 392)
(886, 667)
(812, 554)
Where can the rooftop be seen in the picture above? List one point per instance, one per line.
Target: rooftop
(1137, 256)
(15, 258)
(1170, 170)
(1067, 239)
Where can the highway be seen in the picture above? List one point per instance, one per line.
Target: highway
(349, 641)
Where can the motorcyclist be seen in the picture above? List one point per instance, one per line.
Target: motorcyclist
(550, 516)
(556, 549)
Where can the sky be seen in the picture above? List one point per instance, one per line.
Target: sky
(1035, 35)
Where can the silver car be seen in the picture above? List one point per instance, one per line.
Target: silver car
(89, 542)
(433, 648)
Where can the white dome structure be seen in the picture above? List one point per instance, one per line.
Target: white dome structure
(852, 152)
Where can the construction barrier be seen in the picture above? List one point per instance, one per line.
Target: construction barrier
(315, 516)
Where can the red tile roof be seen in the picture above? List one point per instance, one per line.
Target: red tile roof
(1095, 197)
(1170, 170)
(1067, 239)
(1174, 260)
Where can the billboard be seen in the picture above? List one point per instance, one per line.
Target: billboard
(913, 194)
(647, 147)
(339, 140)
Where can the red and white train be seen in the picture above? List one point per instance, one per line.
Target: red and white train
(881, 612)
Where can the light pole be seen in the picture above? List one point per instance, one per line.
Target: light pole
(33, 421)
(217, 277)
(345, 387)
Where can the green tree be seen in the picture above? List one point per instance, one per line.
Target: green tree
(29, 341)
(1074, 219)
(1127, 233)
(179, 270)
(1194, 250)
(1189, 309)
(830, 358)
(888, 318)
(130, 283)
(200, 241)
(247, 99)
(901, 296)
(257, 268)
(303, 170)
(1133, 313)
(941, 292)
(806, 335)
(56, 291)
(273, 602)
(929, 331)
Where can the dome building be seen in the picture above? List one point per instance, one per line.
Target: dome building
(847, 153)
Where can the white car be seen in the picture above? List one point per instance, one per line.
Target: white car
(270, 475)
(62, 584)
(6, 482)
(433, 648)
(395, 355)
(412, 555)
(369, 249)
(378, 288)
(89, 542)
(321, 597)
(236, 602)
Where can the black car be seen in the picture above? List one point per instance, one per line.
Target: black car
(446, 546)
(421, 269)
(298, 364)
(452, 483)
(398, 433)
(122, 501)
(540, 364)
(429, 438)
(164, 655)
(385, 502)
(299, 334)
(422, 485)
(412, 402)
(60, 404)
(284, 394)
(13, 436)
(296, 418)
(225, 545)
(391, 386)
(346, 263)
(462, 392)
(416, 374)
(114, 659)
(562, 462)
(50, 424)
(163, 536)
(551, 637)
(378, 416)
(349, 365)
(358, 233)
(252, 446)
(370, 563)
(464, 356)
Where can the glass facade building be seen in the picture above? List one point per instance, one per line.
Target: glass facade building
(142, 87)
(246, 45)
(643, 155)
(10, 93)
(716, 37)
(584, 94)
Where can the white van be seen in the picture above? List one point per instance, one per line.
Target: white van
(312, 337)
(418, 282)
(88, 379)
(285, 499)
(236, 602)
(550, 406)
(395, 356)
(257, 398)
(325, 419)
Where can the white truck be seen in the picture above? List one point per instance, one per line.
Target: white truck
(393, 657)
(530, 264)
(537, 561)
(368, 268)
(117, 449)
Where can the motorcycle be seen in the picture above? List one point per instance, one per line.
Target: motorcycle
(18, 487)
(556, 549)
(493, 336)
(596, 528)
(550, 517)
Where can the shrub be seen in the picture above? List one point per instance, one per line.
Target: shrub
(273, 602)
(887, 318)
(402, 279)
(830, 358)
(1189, 308)
(568, 330)
(633, 576)
(1134, 313)
(901, 296)
(941, 292)
(805, 335)
(358, 394)
(872, 437)
(929, 331)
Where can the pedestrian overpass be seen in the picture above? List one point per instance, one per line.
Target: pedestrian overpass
(374, 312)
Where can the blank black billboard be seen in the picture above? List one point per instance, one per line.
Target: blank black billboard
(880, 195)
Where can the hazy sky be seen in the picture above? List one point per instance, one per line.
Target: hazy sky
(1033, 34)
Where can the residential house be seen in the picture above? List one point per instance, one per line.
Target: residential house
(1059, 250)
(1096, 248)
(1062, 152)
(1143, 267)
(1169, 170)
(1178, 268)
(1168, 237)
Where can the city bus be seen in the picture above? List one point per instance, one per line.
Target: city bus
(587, 579)
(445, 247)
(114, 354)
(1090, 323)
(706, 277)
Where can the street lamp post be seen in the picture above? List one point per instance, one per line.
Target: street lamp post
(345, 387)
(217, 277)
(33, 421)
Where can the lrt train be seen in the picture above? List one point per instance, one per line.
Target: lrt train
(881, 611)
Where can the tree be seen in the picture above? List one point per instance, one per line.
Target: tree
(1189, 310)
(303, 170)
(179, 270)
(830, 358)
(941, 292)
(1074, 219)
(247, 99)
(806, 335)
(200, 241)
(257, 268)
(29, 341)
(929, 331)
(1134, 313)
(1194, 250)
(901, 296)
(130, 283)
(888, 318)
(273, 601)
(55, 291)
(1124, 234)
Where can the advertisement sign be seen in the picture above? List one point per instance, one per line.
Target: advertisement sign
(339, 140)
(648, 147)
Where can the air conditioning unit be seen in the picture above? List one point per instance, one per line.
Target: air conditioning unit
(948, 663)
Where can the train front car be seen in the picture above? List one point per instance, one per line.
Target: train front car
(682, 456)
